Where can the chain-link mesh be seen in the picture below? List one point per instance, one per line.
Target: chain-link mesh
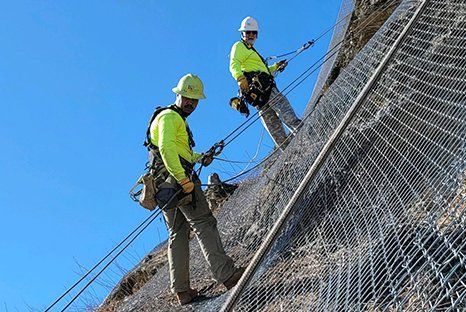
(381, 227)
(344, 18)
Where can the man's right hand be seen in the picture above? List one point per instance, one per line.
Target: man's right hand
(187, 185)
(243, 84)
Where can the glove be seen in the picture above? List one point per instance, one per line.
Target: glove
(187, 185)
(244, 110)
(281, 65)
(243, 84)
(239, 105)
(207, 159)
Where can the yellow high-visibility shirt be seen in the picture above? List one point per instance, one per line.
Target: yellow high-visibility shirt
(168, 132)
(243, 60)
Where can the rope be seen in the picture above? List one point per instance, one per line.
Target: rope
(309, 43)
(141, 228)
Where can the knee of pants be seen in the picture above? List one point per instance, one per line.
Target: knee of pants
(181, 232)
(199, 225)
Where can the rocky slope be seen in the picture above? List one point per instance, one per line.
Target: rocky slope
(125, 296)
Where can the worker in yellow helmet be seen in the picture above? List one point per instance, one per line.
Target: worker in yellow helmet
(170, 144)
(257, 85)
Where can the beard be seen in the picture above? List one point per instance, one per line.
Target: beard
(250, 41)
(186, 110)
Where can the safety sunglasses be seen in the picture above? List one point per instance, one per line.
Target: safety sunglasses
(251, 32)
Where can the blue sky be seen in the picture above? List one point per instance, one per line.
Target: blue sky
(78, 82)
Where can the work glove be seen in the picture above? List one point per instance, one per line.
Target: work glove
(187, 185)
(207, 159)
(281, 65)
(240, 106)
(243, 84)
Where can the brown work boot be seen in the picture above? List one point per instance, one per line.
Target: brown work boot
(186, 297)
(233, 280)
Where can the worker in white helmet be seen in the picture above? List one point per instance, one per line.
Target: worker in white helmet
(257, 85)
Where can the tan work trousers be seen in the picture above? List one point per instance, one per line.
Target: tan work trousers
(276, 112)
(200, 219)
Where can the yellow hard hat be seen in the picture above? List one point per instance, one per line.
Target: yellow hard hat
(190, 86)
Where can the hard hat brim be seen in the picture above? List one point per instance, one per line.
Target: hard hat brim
(190, 96)
(244, 29)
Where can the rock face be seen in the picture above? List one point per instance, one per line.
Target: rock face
(217, 192)
(367, 18)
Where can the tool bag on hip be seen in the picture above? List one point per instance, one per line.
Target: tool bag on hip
(152, 181)
(260, 88)
(148, 192)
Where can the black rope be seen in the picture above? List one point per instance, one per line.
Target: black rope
(142, 227)
(310, 43)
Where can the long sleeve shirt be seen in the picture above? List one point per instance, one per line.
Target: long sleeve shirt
(244, 59)
(168, 132)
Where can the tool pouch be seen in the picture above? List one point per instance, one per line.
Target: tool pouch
(149, 189)
(260, 88)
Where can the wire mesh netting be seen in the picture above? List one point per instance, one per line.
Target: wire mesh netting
(381, 227)
(344, 18)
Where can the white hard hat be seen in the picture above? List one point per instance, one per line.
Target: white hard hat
(249, 24)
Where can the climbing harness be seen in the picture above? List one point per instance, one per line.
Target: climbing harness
(260, 88)
(261, 83)
(156, 186)
(147, 142)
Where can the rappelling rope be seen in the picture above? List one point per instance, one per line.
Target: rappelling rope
(307, 44)
(138, 230)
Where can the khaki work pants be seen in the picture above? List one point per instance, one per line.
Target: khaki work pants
(200, 219)
(276, 112)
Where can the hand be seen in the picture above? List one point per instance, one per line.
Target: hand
(244, 110)
(282, 65)
(187, 185)
(239, 105)
(243, 84)
(207, 159)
